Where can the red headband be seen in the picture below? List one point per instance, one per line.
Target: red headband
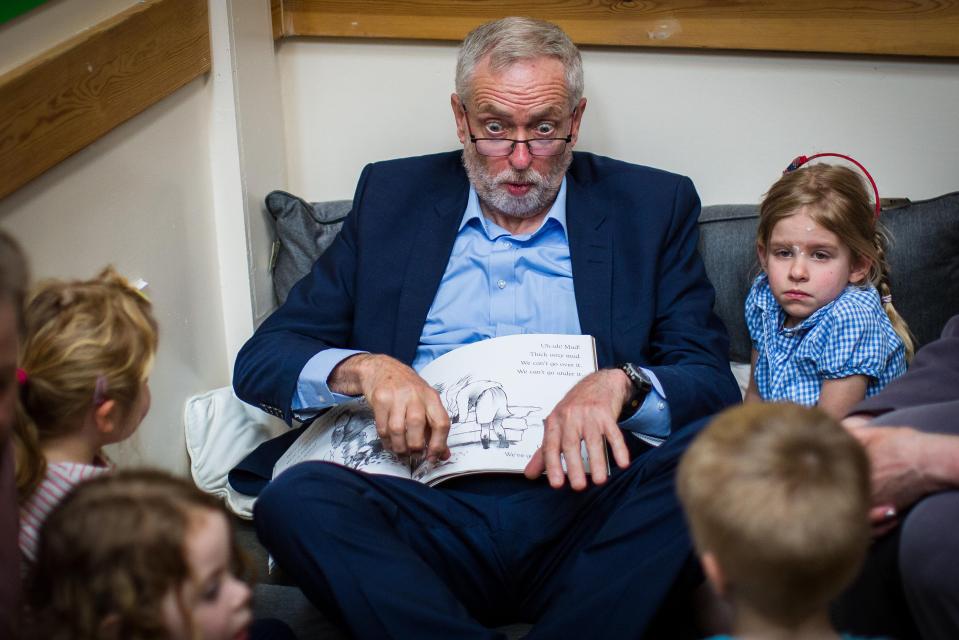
(801, 160)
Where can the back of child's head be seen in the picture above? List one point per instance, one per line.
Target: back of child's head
(836, 197)
(111, 552)
(779, 495)
(86, 342)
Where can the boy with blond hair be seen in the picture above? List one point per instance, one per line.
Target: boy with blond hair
(777, 498)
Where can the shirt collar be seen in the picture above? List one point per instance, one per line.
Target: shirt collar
(473, 211)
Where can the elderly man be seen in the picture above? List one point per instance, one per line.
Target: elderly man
(910, 575)
(515, 233)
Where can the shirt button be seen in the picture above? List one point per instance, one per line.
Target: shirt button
(506, 244)
(501, 284)
(661, 406)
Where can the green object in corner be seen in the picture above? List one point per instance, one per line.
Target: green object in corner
(12, 8)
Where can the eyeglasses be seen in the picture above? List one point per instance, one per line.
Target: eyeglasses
(502, 147)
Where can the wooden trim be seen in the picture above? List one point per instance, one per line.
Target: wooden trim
(276, 15)
(888, 27)
(69, 96)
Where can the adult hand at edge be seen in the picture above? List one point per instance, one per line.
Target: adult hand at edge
(409, 415)
(897, 456)
(587, 414)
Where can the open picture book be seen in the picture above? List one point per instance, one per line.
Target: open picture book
(497, 393)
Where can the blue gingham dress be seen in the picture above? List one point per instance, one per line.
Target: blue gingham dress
(849, 336)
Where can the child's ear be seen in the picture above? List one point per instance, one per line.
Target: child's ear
(714, 573)
(860, 269)
(107, 417)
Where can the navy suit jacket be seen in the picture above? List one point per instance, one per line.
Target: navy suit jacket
(640, 285)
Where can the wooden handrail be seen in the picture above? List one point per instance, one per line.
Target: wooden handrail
(64, 99)
(891, 27)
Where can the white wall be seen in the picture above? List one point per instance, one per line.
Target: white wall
(140, 198)
(167, 196)
(731, 121)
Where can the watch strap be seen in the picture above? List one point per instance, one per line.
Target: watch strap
(641, 385)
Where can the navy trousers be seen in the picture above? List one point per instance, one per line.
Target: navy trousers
(392, 558)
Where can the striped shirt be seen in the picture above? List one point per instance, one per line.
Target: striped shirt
(849, 336)
(60, 478)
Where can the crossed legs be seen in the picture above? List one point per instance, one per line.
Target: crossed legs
(389, 557)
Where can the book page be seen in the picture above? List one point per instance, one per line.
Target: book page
(346, 435)
(498, 392)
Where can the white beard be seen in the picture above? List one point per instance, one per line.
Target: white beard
(489, 188)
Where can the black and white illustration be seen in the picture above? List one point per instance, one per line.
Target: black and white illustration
(354, 442)
(481, 413)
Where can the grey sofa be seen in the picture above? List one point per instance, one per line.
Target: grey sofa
(924, 259)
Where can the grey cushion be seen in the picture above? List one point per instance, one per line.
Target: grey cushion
(727, 237)
(923, 261)
(304, 231)
(923, 257)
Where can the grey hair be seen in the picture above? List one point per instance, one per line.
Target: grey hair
(510, 40)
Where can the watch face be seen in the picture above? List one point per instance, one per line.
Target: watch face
(637, 377)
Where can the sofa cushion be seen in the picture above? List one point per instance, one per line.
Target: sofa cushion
(303, 231)
(727, 235)
(923, 257)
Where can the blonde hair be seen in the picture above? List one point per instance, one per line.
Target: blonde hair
(510, 40)
(836, 198)
(110, 552)
(780, 495)
(85, 342)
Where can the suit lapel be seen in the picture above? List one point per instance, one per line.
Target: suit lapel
(428, 256)
(590, 248)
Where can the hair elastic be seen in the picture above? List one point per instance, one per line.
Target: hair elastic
(801, 160)
(886, 299)
(100, 391)
(22, 376)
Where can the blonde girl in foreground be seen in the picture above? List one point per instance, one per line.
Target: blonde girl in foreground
(84, 363)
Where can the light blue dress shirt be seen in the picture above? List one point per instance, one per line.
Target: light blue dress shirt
(495, 284)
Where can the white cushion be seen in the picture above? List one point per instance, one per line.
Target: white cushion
(220, 431)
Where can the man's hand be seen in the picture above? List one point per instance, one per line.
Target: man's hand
(895, 455)
(586, 414)
(409, 415)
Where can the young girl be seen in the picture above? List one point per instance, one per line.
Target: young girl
(138, 555)
(88, 349)
(820, 315)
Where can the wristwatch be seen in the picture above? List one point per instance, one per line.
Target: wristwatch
(641, 387)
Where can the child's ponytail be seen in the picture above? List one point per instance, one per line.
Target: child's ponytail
(885, 294)
(30, 464)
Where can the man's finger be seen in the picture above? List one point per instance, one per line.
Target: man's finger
(396, 424)
(439, 423)
(550, 449)
(416, 426)
(596, 450)
(381, 418)
(573, 453)
(536, 465)
(881, 514)
(617, 443)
